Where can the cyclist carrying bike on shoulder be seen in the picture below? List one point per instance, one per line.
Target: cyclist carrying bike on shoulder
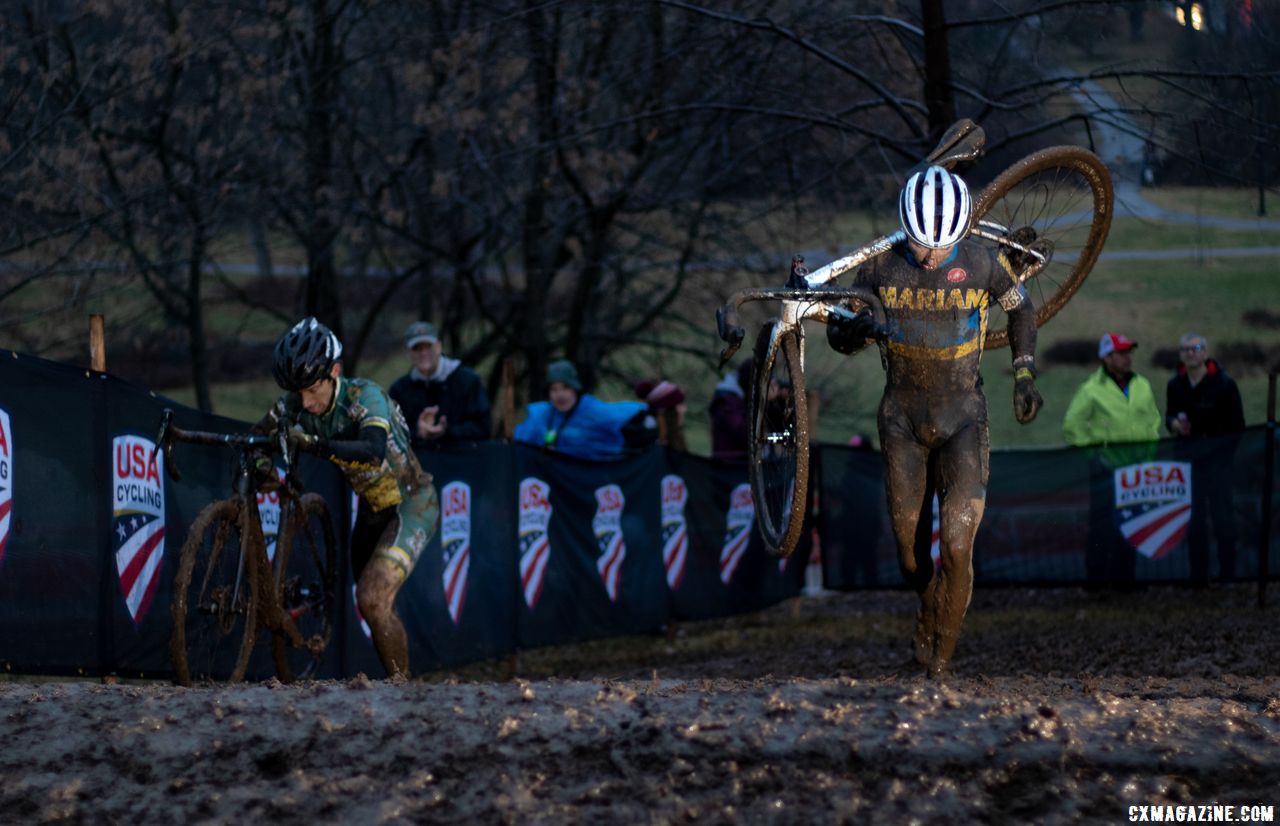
(354, 424)
(936, 287)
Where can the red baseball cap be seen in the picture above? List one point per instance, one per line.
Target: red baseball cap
(1114, 343)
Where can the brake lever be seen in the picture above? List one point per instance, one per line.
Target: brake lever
(282, 437)
(730, 331)
(164, 441)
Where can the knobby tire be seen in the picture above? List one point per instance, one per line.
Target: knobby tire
(1065, 193)
(315, 571)
(778, 432)
(206, 611)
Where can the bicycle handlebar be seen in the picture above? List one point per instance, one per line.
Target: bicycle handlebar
(170, 433)
(730, 326)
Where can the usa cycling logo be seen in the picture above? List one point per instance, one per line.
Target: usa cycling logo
(6, 480)
(455, 541)
(607, 526)
(535, 544)
(1153, 505)
(269, 516)
(737, 530)
(675, 530)
(137, 526)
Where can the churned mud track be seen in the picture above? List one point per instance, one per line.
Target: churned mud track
(1065, 707)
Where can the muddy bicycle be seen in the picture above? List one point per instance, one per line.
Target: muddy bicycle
(230, 584)
(1051, 209)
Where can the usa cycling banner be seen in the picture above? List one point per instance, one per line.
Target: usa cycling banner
(6, 485)
(1111, 516)
(51, 463)
(725, 569)
(591, 547)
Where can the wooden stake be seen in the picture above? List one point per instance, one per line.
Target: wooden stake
(97, 344)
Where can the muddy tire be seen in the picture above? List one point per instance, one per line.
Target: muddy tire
(305, 577)
(1065, 194)
(778, 444)
(214, 599)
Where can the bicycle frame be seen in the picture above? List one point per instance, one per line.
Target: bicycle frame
(990, 230)
(270, 612)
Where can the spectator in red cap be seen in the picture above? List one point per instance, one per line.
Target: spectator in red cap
(1114, 413)
(1115, 404)
(666, 405)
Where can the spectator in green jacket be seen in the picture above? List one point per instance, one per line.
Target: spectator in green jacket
(1115, 404)
(1113, 411)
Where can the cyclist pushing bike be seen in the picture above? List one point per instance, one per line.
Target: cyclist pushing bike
(937, 288)
(354, 424)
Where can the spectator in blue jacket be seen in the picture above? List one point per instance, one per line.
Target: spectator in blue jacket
(578, 423)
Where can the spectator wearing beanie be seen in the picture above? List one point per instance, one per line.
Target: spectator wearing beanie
(577, 423)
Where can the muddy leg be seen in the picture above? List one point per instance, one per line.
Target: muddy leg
(376, 594)
(962, 495)
(910, 511)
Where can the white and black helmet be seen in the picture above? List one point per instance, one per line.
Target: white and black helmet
(935, 208)
(305, 354)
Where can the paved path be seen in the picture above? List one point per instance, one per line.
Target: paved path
(1120, 144)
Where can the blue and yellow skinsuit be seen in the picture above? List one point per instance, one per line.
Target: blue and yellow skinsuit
(364, 433)
(933, 417)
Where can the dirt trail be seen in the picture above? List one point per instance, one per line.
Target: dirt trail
(1065, 707)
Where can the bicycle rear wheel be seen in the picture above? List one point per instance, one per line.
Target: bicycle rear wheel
(779, 441)
(1064, 194)
(214, 599)
(306, 583)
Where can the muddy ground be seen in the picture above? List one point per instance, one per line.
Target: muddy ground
(1064, 707)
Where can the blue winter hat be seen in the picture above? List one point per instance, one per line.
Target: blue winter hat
(563, 371)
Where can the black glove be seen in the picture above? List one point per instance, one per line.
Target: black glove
(848, 335)
(1026, 398)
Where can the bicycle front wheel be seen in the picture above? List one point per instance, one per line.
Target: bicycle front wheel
(214, 599)
(1064, 194)
(779, 443)
(306, 582)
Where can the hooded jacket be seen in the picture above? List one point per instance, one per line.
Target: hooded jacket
(459, 394)
(1213, 406)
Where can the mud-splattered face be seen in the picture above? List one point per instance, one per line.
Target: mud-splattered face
(926, 257)
(318, 398)
(562, 396)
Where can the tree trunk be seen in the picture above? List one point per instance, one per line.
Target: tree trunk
(938, 95)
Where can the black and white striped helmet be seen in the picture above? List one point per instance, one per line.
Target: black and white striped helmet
(305, 354)
(935, 208)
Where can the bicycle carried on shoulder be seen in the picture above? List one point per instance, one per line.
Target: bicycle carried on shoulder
(1051, 210)
(228, 586)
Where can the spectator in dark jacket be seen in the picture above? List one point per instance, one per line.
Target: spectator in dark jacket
(729, 426)
(443, 402)
(1204, 413)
